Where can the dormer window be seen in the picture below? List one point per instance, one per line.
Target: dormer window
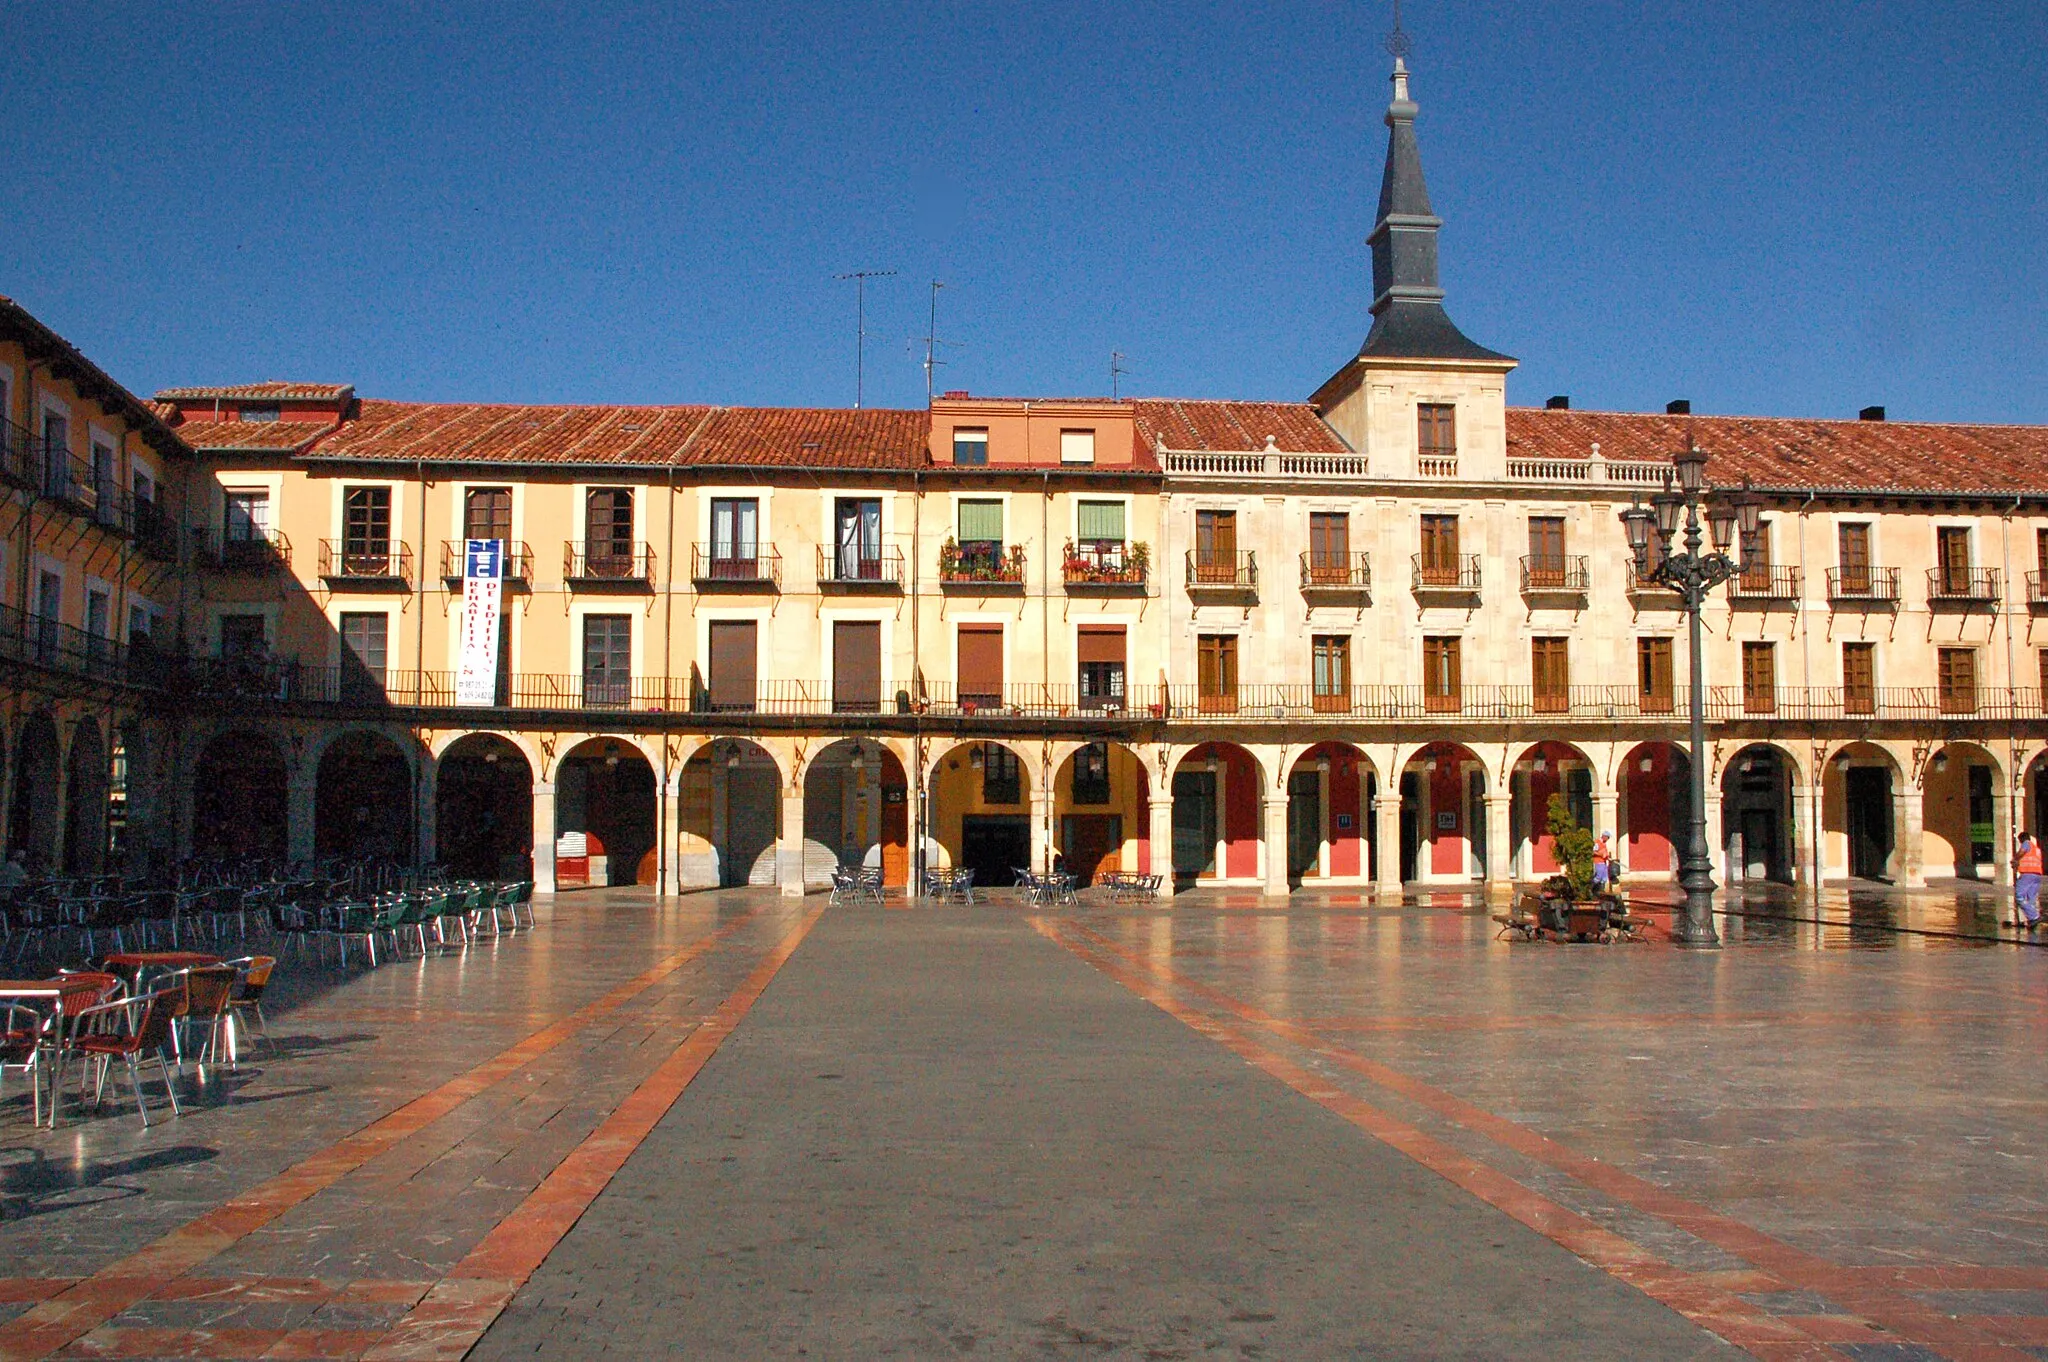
(1436, 430)
(260, 412)
(970, 447)
(1077, 446)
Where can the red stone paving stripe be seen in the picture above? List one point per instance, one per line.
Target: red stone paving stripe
(1906, 1319)
(209, 1343)
(1713, 1308)
(460, 1308)
(15, 1290)
(91, 1302)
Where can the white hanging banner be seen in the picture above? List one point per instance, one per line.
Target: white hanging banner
(483, 581)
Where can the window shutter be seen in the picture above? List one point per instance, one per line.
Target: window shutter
(1100, 643)
(981, 520)
(1100, 520)
(981, 662)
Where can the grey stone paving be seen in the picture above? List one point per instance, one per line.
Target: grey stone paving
(940, 1135)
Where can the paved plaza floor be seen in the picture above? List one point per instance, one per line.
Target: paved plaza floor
(738, 1125)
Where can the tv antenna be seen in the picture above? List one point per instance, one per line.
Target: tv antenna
(1116, 371)
(932, 342)
(860, 327)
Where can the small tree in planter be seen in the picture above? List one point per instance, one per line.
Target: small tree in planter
(1572, 845)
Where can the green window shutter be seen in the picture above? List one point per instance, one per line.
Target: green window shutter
(1100, 520)
(981, 520)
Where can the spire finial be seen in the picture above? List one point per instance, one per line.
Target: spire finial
(1398, 46)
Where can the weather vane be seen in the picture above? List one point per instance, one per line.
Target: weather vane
(1398, 46)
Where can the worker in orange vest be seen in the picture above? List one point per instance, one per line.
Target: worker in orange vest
(2026, 885)
(1603, 865)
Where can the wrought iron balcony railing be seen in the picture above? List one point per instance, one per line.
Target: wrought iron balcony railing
(1561, 575)
(1962, 585)
(599, 564)
(253, 551)
(366, 562)
(518, 561)
(855, 567)
(1237, 571)
(725, 567)
(1106, 565)
(987, 566)
(1455, 573)
(1336, 572)
(1766, 582)
(1863, 586)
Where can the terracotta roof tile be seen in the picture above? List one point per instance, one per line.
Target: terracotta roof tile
(1791, 452)
(275, 388)
(636, 436)
(1234, 427)
(288, 436)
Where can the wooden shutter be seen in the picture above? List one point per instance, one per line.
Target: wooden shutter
(1653, 675)
(1546, 539)
(608, 532)
(1440, 550)
(1958, 680)
(1442, 683)
(1952, 545)
(1332, 676)
(1853, 549)
(981, 664)
(2041, 551)
(1436, 429)
(1329, 545)
(1100, 643)
(1859, 678)
(857, 665)
(733, 664)
(367, 636)
(366, 531)
(1099, 521)
(1550, 671)
(1759, 678)
(487, 513)
(1216, 672)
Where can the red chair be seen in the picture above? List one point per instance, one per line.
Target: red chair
(130, 1030)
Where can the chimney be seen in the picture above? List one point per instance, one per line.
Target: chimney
(1561, 402)
(1678, 406)
(1871, 414)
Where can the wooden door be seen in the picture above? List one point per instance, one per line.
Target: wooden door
(1550, 674)
(1859, 678)
(1442, 680)
(1952, 544)
(857, 666)
(1546, 551)
(1440, 550)
(1216, 673)
(734, 654)
(1216, 546)
(1329, 547)
(608, 532)
(1760, 678)
(1653, 675)
(1853, 549)
(980, 665)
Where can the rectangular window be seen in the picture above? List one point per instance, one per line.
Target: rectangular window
(365, 638)
(1756, 561)
(1859, 678)
(1550, 675)
(487, 513)
(56, 455)
(608, 660)
(1443, 685)
(1653, 675)
(981, 665)
(857, 540)
(980, 538)
(1331, 662)
(1099, 535)
(1077, 446)
(1091, 774)
(608, 532)
(1436, 425)
(99, 617)
(735, 537)
(1216, 547)
(138, 624)
(1439, 550)
(1760, 678)
(244, 636)
(366, 532)
(262, 413)
(857, 666)
(1957, 680)
(246, 517)
(1952, 554)
(104, 483)
(1546, 541)
(1002, 778)
(1099, 649)
(1852, 549)
(970, 447)
(734, 664)
(1329, 546)
(2041, 551)
(2042, 668)
(145, 488)
(1216, 673)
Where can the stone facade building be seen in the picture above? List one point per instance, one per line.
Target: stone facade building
(1354, 641)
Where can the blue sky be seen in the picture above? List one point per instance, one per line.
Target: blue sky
(1772, 208)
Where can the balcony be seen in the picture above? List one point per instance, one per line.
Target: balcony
(17, 456)
(1457, 575)
(1336, 574)
(847, 568)
(517, 564)
(1562, 576)
(256, 552)
(608, 565)
(1765, 584)
(53, 646)
(981, 567)
(728, 571)
(1964, 586)
(155, 534)
(1106, 566)
(1650, 595)
(365, 564)
(1223, 574)
(1864, 586)
(2037, 590)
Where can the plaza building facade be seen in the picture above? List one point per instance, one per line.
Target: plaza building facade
(1358, 640)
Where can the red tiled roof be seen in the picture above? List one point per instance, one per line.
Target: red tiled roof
(1233, 427)
(253, 435)
(1792, 452)
(276, 390)
(642, 436)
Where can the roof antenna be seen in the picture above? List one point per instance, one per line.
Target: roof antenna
(860, 327)
(932, 342)
(1116, 371)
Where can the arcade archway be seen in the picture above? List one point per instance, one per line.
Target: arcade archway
(483, 809)
(1546, 769)
(1654, 788)
(85, 801)
(1961, 809)
(240, 798)
(33, 812)
(1757, 825)
(1443, 815)
(1330, 834)
(856, 812)
(363, 799)
(1216, 814)
(979, 814)
(1101, 797)
(604, 816)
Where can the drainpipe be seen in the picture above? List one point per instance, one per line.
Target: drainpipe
(915, 793)
(664, 853)
(419, 664)
(2015, 779)
(1818, 797)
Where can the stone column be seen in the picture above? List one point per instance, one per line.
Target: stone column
(428, 810)
(1387, 811)
(1041, 832)
(543, 837)
(671, 850)
(1161, 814)
(789, 847)
(2001, 836)
(1910, 810)
(1717, 841)
(298, 818)
(1499, 854)
(1276, 845)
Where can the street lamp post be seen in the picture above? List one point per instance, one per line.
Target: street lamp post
(1662, 557)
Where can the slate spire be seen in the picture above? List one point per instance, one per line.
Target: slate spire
(1409, 321)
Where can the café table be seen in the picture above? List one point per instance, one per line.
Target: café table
(50, 993)
(134, 966)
